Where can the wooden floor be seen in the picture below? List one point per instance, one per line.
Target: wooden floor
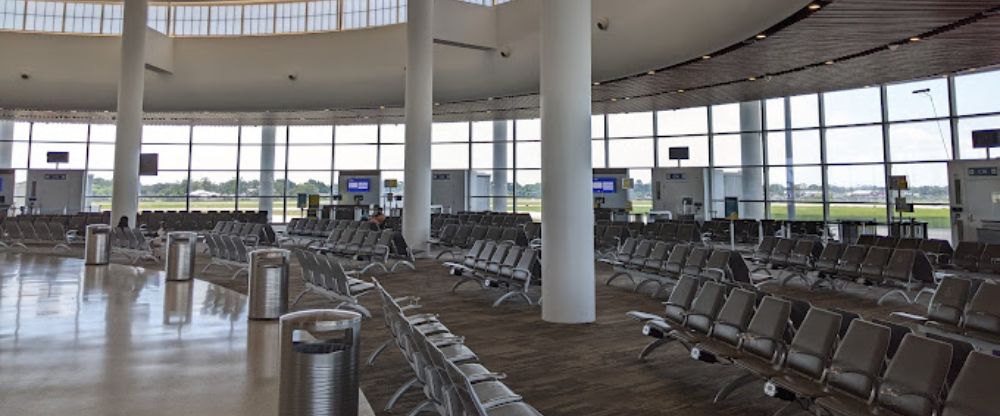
(569, 369)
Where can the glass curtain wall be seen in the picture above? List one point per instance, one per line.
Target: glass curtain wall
(818, 157)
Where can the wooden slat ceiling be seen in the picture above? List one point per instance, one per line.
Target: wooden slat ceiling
(845, 44)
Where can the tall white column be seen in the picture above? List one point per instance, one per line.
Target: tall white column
(499, 191)
(419, 116)
(567, 224)
(752, 154)
(6, 143)
(128, 136)
(266, 188)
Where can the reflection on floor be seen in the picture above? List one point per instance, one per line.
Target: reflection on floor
(120, 340)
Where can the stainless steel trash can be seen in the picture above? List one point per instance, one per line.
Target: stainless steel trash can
(97, 248)
(319, 363)
(268, 283)
(180, 250)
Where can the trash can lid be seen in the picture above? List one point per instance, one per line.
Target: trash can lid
(321, 319)
(182, 235)
(271, 252)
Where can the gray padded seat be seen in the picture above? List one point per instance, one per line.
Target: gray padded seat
(856, 364)
(875, 263)
(982, 317)
(948, 303)
(675, 262)
(704, 309)
(807, 355)
(850, 261)
(696, 260)
(974, 392)
(734, 317)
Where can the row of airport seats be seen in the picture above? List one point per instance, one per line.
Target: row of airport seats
(253, 234)
(499, 264)
(977, 257)
(453, 381)
(231, 251)
(496, 219)
(366, 248)
(327, 277)
(76, 223)
(309, 230)
(454, 238)
(609, 237)
(966, 310)
(196, 220)
(823, 361)
(17, 232)
(662, 263)
(134, 245)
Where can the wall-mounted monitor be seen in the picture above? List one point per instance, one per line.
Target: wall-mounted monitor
(605, 185)
(149, 164)
(984, 139)
(679, 153)
(57, 157)
(358, 184)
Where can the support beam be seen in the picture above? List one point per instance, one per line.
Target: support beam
(6, 143)
(266, 187)
(499, 191)
(752, 154)
(567, 231)
(419, 116)
(128, 135)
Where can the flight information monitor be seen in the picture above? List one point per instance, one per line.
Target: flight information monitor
(358, 185)
(605, 185)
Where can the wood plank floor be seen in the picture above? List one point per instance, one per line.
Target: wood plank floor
(587, 369)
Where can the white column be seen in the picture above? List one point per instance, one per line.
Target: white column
(567, 223)
(419, 116)
(266, 187)
(6, 143)
(128, 136)
(499, 166)
(752, 154)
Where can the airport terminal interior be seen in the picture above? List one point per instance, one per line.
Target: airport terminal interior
(499, 207)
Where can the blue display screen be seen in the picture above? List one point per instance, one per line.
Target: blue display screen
(358, 185)
(605, 185)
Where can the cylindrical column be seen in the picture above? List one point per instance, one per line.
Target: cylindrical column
(499, 166)
(752, 154)
(419, 105)
(6, 143)
(128, 136)
(789, 161)
(567, 232)
(266, 188)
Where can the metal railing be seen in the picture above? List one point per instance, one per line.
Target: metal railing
(197, 19)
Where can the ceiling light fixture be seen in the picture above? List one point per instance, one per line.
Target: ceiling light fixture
(752, 79)
(829, 62)
(651, 72)
(761, 36)
(596, 83)
(680, 91)
(436, 104)
(815, 6)
(915, 39)
(706, 57)
(381, 107)
(614, 99)
(628, 98)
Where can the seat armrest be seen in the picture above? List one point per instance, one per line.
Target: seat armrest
(910, 316)
(643, 316)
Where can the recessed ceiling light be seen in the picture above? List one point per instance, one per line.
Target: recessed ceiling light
(915, 39)
(761, 36)
(680, 91)
(651, 72)
(489, 99)
(489, 111)
(381, 107)
(752, 78)
(437, 103)
(706, 57)
(614, 99)
(829, 62)
(596, 83)
(815, 6)
(628, 98)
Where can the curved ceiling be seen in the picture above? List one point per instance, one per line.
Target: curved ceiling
(845, 44)
(364, 68)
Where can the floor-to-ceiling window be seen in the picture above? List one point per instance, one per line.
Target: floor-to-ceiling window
(816, 156)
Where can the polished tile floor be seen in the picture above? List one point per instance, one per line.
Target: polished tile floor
(119, 340)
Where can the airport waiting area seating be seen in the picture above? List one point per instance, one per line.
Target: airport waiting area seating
(25, 232)
(503, 265)
(133, 244)
(363, 245)
(455, 238)
(823, 361)
(327, 277)
(963, 309)
(453, 380)
(198, 221)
